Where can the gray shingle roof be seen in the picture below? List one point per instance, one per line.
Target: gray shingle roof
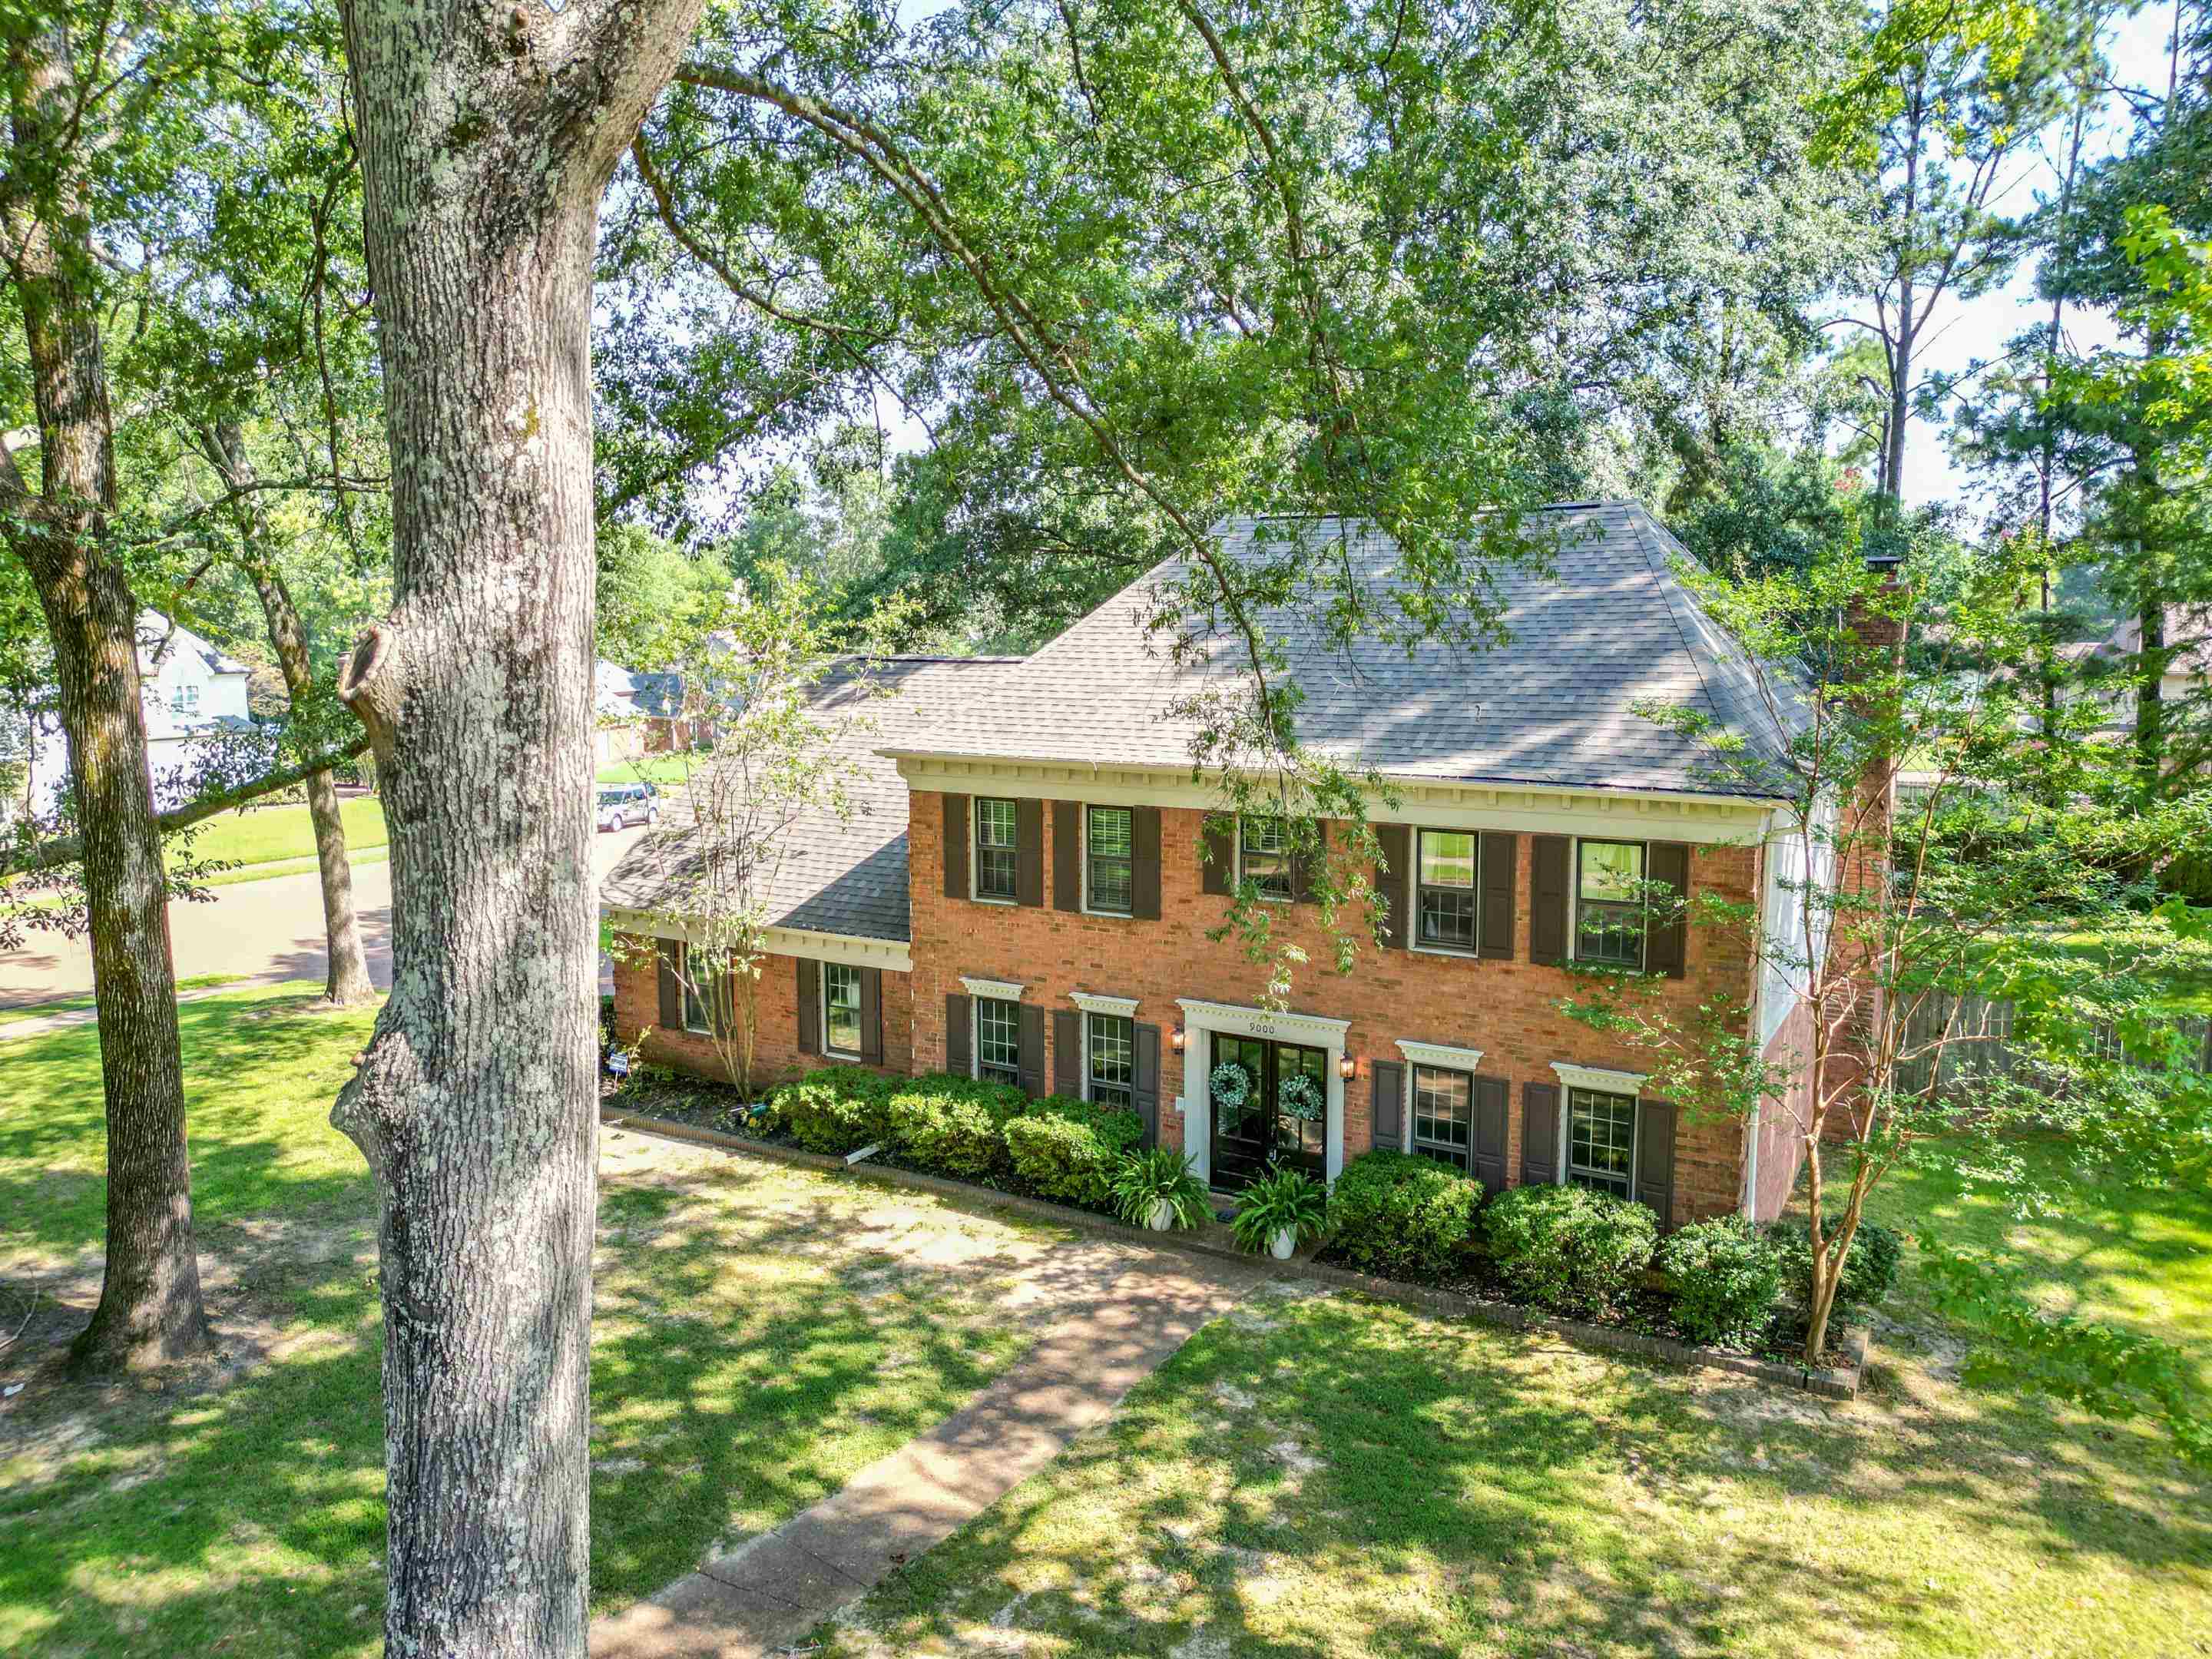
(1609, 626)
(847, 876)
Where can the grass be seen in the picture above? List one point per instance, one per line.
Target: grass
(1335, 1477)
(651, 768)
(264, 835)
(77, 1005)
(759, 1336)
(305, 867)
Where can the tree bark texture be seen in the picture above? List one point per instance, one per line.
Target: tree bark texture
(347, 982)
(150, 1310)
(487, 134)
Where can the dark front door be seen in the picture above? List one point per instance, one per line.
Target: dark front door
(1281, 1119)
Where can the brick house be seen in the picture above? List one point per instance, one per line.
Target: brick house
(1027, 891)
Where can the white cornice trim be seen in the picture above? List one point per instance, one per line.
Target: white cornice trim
(1265, 1023)
(1091, 1003)
(999, 990)
(1529, 809)
(1440, 1055)
(1598, 1077)
(892, 956)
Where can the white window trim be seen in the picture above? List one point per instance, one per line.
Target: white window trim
(1000, 990)
(1082, 811)
(1413, 898)
(1121, 1008)
(686, 995)
(1566, 1176)
(822, 991)
(976, 852)
(1091, 1003)
(1424, 1054)
(996, 991)
(1599, 1079)
(1575, 900)
(1238, 833)
(1441, 1056)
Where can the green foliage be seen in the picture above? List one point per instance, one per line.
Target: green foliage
(953, 1125)
(1567, 1248)
(1143, 1180)
(1723, 1275)
(1071, 1149)
(1869, 1270)
(1282, 1199)
(1399, 1214)
(837, 1109)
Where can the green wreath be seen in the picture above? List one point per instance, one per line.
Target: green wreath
(1301, 1097)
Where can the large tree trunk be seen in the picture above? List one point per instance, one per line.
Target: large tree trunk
(150, 1309)
(346, 982)
(487, 136)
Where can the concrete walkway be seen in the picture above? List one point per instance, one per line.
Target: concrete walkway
(1126, 1311)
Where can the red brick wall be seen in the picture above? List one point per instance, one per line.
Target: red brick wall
(776, 1054)
(1503, 1008)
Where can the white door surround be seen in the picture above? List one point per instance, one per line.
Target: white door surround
(1201, 1020)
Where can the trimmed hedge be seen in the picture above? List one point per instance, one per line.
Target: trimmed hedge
(954, 1125)
(1724, 1276)
(1567, 1248)
(837, 1109)
(1869, 1270)
(1071, 1149)
(1395, 1212)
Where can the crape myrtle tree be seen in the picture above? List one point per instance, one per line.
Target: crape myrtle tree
(1898, 914)
(786, 692)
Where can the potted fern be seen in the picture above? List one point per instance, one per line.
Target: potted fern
(1155, 1189)
(1279, 1211)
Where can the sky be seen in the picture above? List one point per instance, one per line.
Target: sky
(1964, 333)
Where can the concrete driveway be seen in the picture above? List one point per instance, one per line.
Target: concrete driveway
(258, 930)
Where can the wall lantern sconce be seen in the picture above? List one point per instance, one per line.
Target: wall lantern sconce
(1174, 1039)
(1347, 1068)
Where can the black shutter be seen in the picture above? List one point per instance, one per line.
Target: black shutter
(1547, 898)
(1666, 947)
(872, 1016)
(671, 988)
(1501, 873)
(1539, 1131)
(1219, 872)
(959, 1018)
(1068, 855)
(809, 1006)
(1655, 1158)
(1146, 1086)
(1029, 851)
(1067, 1053)
(955, 846)
(1394, 883)
(1031, 1068)
(1144, 862)
(1385, 1114)
(1309, 868)
(1490, 1096)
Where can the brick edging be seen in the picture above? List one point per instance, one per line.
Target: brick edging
(1839, 1383)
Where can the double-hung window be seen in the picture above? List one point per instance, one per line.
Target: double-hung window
(998, 1040)
(1111, 1047)
(996, 861)
(1110, 882)
(1609, 902)
(184, 700)
(1600, 1140)
(697, 1015)
(1264, 855)
(1446, 906)
(1444, 1113)
(841, 1011)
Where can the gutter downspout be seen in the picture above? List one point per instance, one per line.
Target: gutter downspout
(1747, 1203)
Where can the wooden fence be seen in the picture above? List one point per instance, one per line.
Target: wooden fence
(1982, 1046)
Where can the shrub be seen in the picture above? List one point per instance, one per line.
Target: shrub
(1567, 1248)
(1142, 1180)
(837, 1109)
(1283, 1198)
(1397, 1214)
(1071, 1149)
(1870, 1272)
(952, 1124)
(1723, 1275)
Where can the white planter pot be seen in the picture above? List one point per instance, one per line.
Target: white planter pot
(1283, 1245)
(1162, 1216)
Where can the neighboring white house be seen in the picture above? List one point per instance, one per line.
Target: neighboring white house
(192, 691)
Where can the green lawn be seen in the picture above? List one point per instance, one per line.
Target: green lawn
(264, 833)
(663, 769)
(755, 1344)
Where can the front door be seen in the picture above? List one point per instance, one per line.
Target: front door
(1272, 1110)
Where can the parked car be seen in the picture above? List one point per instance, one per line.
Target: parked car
(622, 804)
